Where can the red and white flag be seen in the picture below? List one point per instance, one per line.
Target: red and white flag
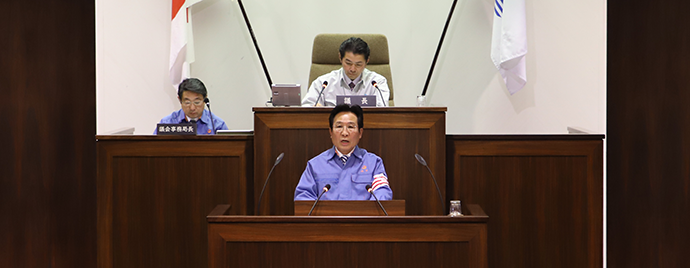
(380, 180)
(180, 40)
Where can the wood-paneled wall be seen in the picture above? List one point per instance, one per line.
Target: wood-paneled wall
(154, 193)
(47, 150)
(543, 194)
(648, 133)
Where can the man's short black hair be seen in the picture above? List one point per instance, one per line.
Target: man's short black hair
(355, 45)
(355, 109)
(191, 84)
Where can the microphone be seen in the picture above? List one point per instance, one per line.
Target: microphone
(325, 189)
(278, 159)
(213, 125)
(421, 160)
(371, 191)
(324, 85)
(373, 83)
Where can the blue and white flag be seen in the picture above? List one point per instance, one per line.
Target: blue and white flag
(509, 42)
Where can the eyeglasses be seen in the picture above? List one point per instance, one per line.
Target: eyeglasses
(196, 103)
(341, 128)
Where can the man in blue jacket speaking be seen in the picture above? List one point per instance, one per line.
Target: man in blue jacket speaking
(345, 166)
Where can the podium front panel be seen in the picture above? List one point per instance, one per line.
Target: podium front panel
(309, 241)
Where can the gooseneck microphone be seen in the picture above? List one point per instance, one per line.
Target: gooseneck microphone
(325, 189)
(373, 83)
(371, 191)
(208, 104)
(323, 87)
(278, 159)
(421, 160)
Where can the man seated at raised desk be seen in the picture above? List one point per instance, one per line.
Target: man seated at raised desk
(345, 166)
(352, 79)
(191, 93)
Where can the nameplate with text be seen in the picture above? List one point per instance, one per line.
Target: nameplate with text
(176, 129)
(361, 100)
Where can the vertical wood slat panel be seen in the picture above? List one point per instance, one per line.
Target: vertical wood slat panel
(648, 133)
(47, 186)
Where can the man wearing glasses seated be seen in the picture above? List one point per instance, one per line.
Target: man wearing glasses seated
(191, 94)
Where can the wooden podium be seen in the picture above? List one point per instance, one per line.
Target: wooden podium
(347, 241)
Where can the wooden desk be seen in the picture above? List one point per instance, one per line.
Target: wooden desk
(394, 134)
(154, 192)
(302, 241)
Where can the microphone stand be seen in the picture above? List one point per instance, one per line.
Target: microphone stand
(380, 94)
(371, 191)
(213, 124)
(278, 159)
(323, 87)
(325, 189)
(421, 160)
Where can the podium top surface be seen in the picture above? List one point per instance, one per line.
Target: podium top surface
(172, 137)
(365, 109)
(473, 214)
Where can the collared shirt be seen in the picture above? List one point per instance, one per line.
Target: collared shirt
(341, 154)
(348, 182)
(337, 85)
(203, 124)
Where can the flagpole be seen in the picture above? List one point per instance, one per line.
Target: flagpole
(438, 49)
(256, 45)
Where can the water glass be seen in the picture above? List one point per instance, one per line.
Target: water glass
(455, 208)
